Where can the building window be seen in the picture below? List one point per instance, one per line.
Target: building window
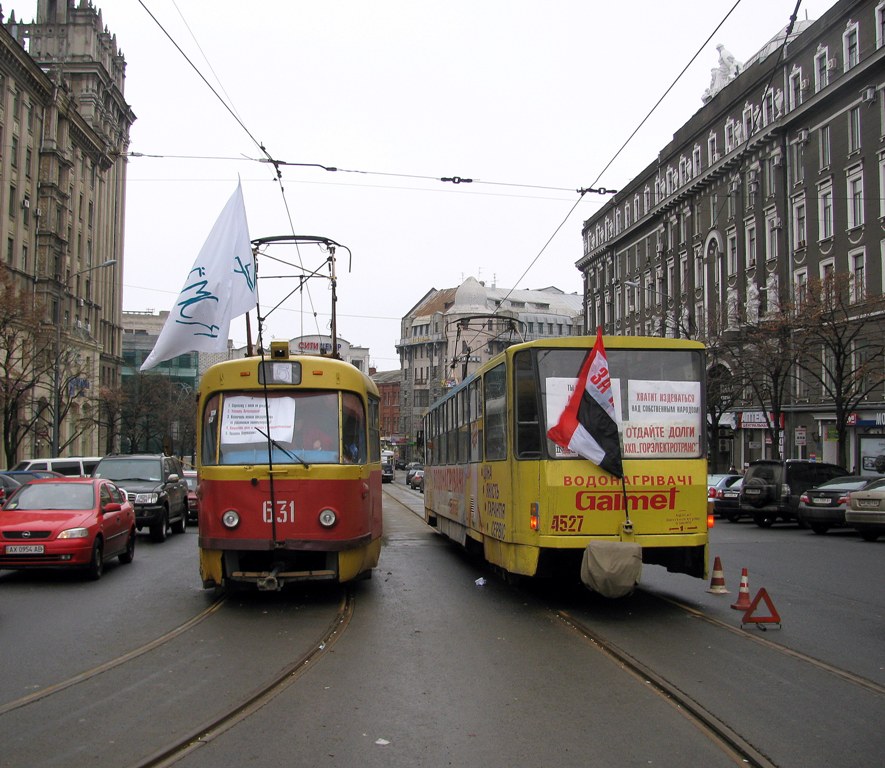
(698, 268)
(750, 244)
(855, 198)
(854, 129)
(882, 186)
(795, 89)
(729, 135)
(825, 212)
(747, 120)
(821, 69)
(797, 162)
(850, 46)
(856, 264)
(771, 226)
(880, 25)
(799, 233)
(731, 246)
(768, 111)
(712, 152)
(800, 282)
(824, 146)
(696, 160)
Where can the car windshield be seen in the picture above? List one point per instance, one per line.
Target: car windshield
(851, 483)
(149, 470)
(191, 482)
(67, 496)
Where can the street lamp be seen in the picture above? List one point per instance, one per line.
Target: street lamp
(56, 397)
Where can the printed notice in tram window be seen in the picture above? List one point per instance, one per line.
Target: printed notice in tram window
(245, 420)
(665, 419)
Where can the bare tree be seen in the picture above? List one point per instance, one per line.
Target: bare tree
(26, 365)
(763, 352)
(843, 334)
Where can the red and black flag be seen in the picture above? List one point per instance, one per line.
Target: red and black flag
(588, 425)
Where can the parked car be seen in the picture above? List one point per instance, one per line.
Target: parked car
(70, 466)
(400, 464)
(866, 511)
(417, 481)
(771, 488)
(411, 469)
(716, 486)
(823, 507)
(728, 506)
(7, 486)
(26, 475)
(193, 501)
(68, 522)
(156, 487)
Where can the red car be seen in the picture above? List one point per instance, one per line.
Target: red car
(77, 522)
(193, 501)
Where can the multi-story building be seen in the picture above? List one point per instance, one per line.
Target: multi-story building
(449, 333)
(778, 179)
(389, 383)
(64, 133)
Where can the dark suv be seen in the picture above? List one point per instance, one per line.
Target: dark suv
(771, 489)
(156, 488)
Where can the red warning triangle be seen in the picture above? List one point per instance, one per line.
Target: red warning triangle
(773, 617)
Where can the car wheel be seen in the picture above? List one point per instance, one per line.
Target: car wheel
(128, 554)
(869, 535)
(181, 525)
(158, 530)
(732, 517)
(817, 527)
(763, 521)
(96, 566)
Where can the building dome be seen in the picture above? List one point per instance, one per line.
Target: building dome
(470, 297)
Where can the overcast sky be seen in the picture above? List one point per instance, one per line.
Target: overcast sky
(532, 100)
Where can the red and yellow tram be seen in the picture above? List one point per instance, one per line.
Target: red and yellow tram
(289, 462)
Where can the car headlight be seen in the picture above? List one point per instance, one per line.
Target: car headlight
(328, 518)
(146, 498)
(230, 519)
(74, 533)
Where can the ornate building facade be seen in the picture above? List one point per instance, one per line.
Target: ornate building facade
(777, 180)
(64, 132)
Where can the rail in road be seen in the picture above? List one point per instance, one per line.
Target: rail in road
(297, 637)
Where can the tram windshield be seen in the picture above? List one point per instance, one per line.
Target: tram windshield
(252, 427)
(657, 397)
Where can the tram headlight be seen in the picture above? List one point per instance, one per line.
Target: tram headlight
(230, 519)
(328, 518)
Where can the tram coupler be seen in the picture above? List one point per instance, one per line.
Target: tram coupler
(627, 527)
(270, 583)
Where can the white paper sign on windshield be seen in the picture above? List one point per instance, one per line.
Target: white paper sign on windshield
(244, 419)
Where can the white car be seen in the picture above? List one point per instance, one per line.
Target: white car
(866, 511)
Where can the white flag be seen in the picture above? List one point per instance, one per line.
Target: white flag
(219, 287)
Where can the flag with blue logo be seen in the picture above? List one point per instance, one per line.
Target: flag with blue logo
(219, 287)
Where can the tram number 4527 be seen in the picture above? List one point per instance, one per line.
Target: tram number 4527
(567, 523)
(285, 511)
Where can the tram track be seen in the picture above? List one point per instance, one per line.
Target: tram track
(176, 750)
(91, 674)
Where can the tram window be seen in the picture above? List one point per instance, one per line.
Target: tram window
(528, 423)
(495, 410)
(463, 427)
(353, 429)
(374, 429)
(475, 421)
(209, 448)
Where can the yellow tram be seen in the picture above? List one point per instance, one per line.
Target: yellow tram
(495, 483)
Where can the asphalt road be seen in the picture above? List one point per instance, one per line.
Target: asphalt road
(436, 669)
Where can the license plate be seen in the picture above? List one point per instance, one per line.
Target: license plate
(24, 549)
(752, 491)
(867, 503)
(820, 501)
(729, 495)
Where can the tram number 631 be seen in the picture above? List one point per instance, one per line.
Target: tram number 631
(285, 511)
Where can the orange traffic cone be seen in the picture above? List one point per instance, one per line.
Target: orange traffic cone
(743, 601)
(717, 583)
